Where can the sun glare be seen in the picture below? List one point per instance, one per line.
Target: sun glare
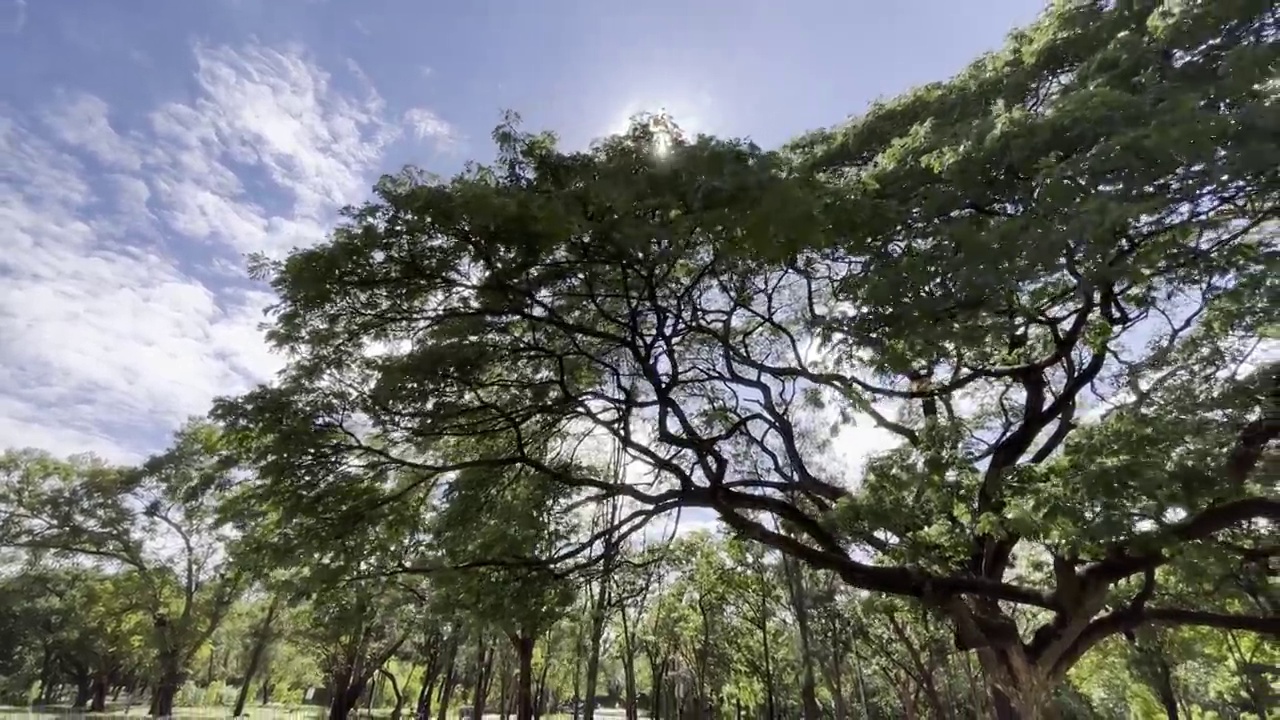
(665, 128)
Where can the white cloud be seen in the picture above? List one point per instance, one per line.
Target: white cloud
(80, 120)
(427, 125)
(117, 318)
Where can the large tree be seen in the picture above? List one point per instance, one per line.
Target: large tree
(1050, 279)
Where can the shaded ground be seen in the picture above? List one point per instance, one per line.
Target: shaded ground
(258, 713)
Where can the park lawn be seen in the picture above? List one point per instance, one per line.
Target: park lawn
(281, 712)
(140, 711)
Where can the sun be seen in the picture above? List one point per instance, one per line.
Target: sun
(659, 124)
(669, 122)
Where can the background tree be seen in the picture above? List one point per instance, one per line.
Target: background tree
(159, 522)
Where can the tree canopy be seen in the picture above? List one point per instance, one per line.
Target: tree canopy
(1051, 281)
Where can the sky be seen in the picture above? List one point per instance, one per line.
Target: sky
(147, 145)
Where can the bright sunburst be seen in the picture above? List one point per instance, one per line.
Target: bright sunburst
(663, 128)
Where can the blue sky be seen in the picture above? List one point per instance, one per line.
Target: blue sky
(146, 145)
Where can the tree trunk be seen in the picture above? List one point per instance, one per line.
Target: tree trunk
(344, 700)
(422, 710)
(260, 641)
(84, 688)
(800, 606)
(395, 689)
(371, 691)
(1161, 679)
(656, 672)
(837, 695)
(540, 702)
(577, 679)
(46, 676)
(450, 680)
(524, 684)
(1002, 707)
(629, 691)
(442, 653)
(484, 674)
(504, 687)
(167, 685)
(1014, 700)
(770, 693)
(628, 667)
(833, 671)
(862, 685)
(598, 617)
(98, 700)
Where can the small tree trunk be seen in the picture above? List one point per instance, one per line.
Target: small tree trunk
(798, 595)
(504, 688)
(395, 689)
(450, 680)
(98, 701)
(524, 683)
(577, 680)
(166, 690)
(834, 674)
(46, 676)
(261, 639)
(770, 692)
(598, 617)
(441, 655)
(540, 694)
(628, 667)
(422, 710)
(656, 672)
(84, 688)
(484, 674)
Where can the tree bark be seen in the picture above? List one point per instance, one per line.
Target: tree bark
(450, 680)
(84, 688)
(166, 689)
(628, 667)
(598, 617)
(800, 606)
(504, 687)
(345, 698)
(577, 675)
(260, 641)
(770, 692)
(524, 684)
(540, 702)
(46, 676)
(98, 699)
(267, 687)
(441, 652)
(484, 674)
(395, 689)
(657, 669)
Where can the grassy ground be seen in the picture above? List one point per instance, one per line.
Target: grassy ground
(280, 712)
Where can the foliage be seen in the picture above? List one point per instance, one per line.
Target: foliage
(1050, 281)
